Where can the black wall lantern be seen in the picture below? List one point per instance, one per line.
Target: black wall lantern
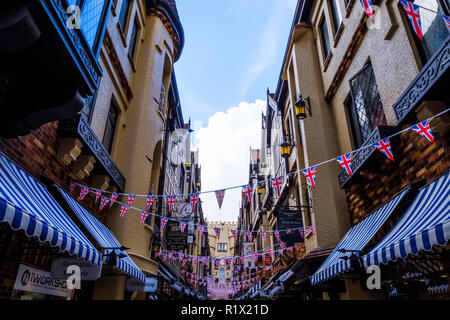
(301, 105)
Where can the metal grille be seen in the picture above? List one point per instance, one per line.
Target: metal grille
(367, 108)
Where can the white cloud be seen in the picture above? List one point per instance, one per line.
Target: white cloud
(224, 156)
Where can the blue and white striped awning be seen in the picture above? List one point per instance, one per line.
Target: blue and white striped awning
(355, 239)
(426, 223)
(104, 237)
(26, 205)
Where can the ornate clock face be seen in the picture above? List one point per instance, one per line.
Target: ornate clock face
(185, 211)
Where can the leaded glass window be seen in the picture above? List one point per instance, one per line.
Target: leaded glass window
(91, 15)
(365, 108)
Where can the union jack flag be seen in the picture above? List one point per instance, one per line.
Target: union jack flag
(163, 222)
(385, 147)
(288, 231)
(170, 202)
(282, 247)
(234, 233)
(446, 20)
(131, 198)
(124, 210)
(367, 5)
(144, 215)
(310, 175)
(277, 182)
(277, 235)
(84, 191)
(249, 235)
(346, 163)
(182, 226)
(114, 197)
(220, 194)
(97, 195)
(263, 235)
(255, 257)
(423, 128)
(413, 14)
(217, 230)
(103, 202)
(150, 199)
(201, 229)
(194, 199)
(248, 192)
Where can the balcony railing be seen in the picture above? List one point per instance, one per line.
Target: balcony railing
(361, 156)
(78, 127)
(423, 82)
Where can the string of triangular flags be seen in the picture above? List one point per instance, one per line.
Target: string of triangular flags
(227, 261)
(412, 10)
(258, 271)
(345, 161)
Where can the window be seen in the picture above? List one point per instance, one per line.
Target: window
(336, 13)
(90, 17)
(124, 14)
(324, 37)
(133, 39)
(111, 124)
(434, 29)
(365, 108)
(222, 247)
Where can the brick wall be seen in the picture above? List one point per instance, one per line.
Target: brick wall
(380, 179)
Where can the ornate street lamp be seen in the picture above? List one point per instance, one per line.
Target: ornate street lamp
(301, 105)
(285, 149)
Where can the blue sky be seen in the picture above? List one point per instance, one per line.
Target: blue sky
(233, 51)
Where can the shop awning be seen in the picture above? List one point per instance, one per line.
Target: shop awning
(355, 239)
(104, 237)
(426, 223)
(26, 205)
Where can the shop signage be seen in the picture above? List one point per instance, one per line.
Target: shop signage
(151, 284)
(175, 239)
(88, 272)
(290, 219)
(35, 280)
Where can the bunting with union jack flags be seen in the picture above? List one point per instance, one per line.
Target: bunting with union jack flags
(97, 195)
(217, 230)
(248, 190)
(250, 235)
(277, 235)
(346, 163)
(131, 198)
(367, 6)
(385, 147)
(150, 199)
(277, 182)
(412, 11)
(234, 233)
(200, 229)
(114, 197)
(182, 226)
(170, 202)
(103, 202)
(124, 210)
(144, 215)
(263, 235)
(310, 175)
(84, 191)
(423, 128)
(194, 199)
(220, 194)
(164, 221)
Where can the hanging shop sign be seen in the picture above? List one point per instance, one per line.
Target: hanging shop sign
(39, 281)
(88, 271)
(150, 285)
(290, 219)
(175, 239)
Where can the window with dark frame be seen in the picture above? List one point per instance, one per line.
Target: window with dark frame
(336, 15)
(364, 107)
(133, 40)
(110, 127)
(434, 29)
(222, 247)
(124, 14)
(324, 38)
